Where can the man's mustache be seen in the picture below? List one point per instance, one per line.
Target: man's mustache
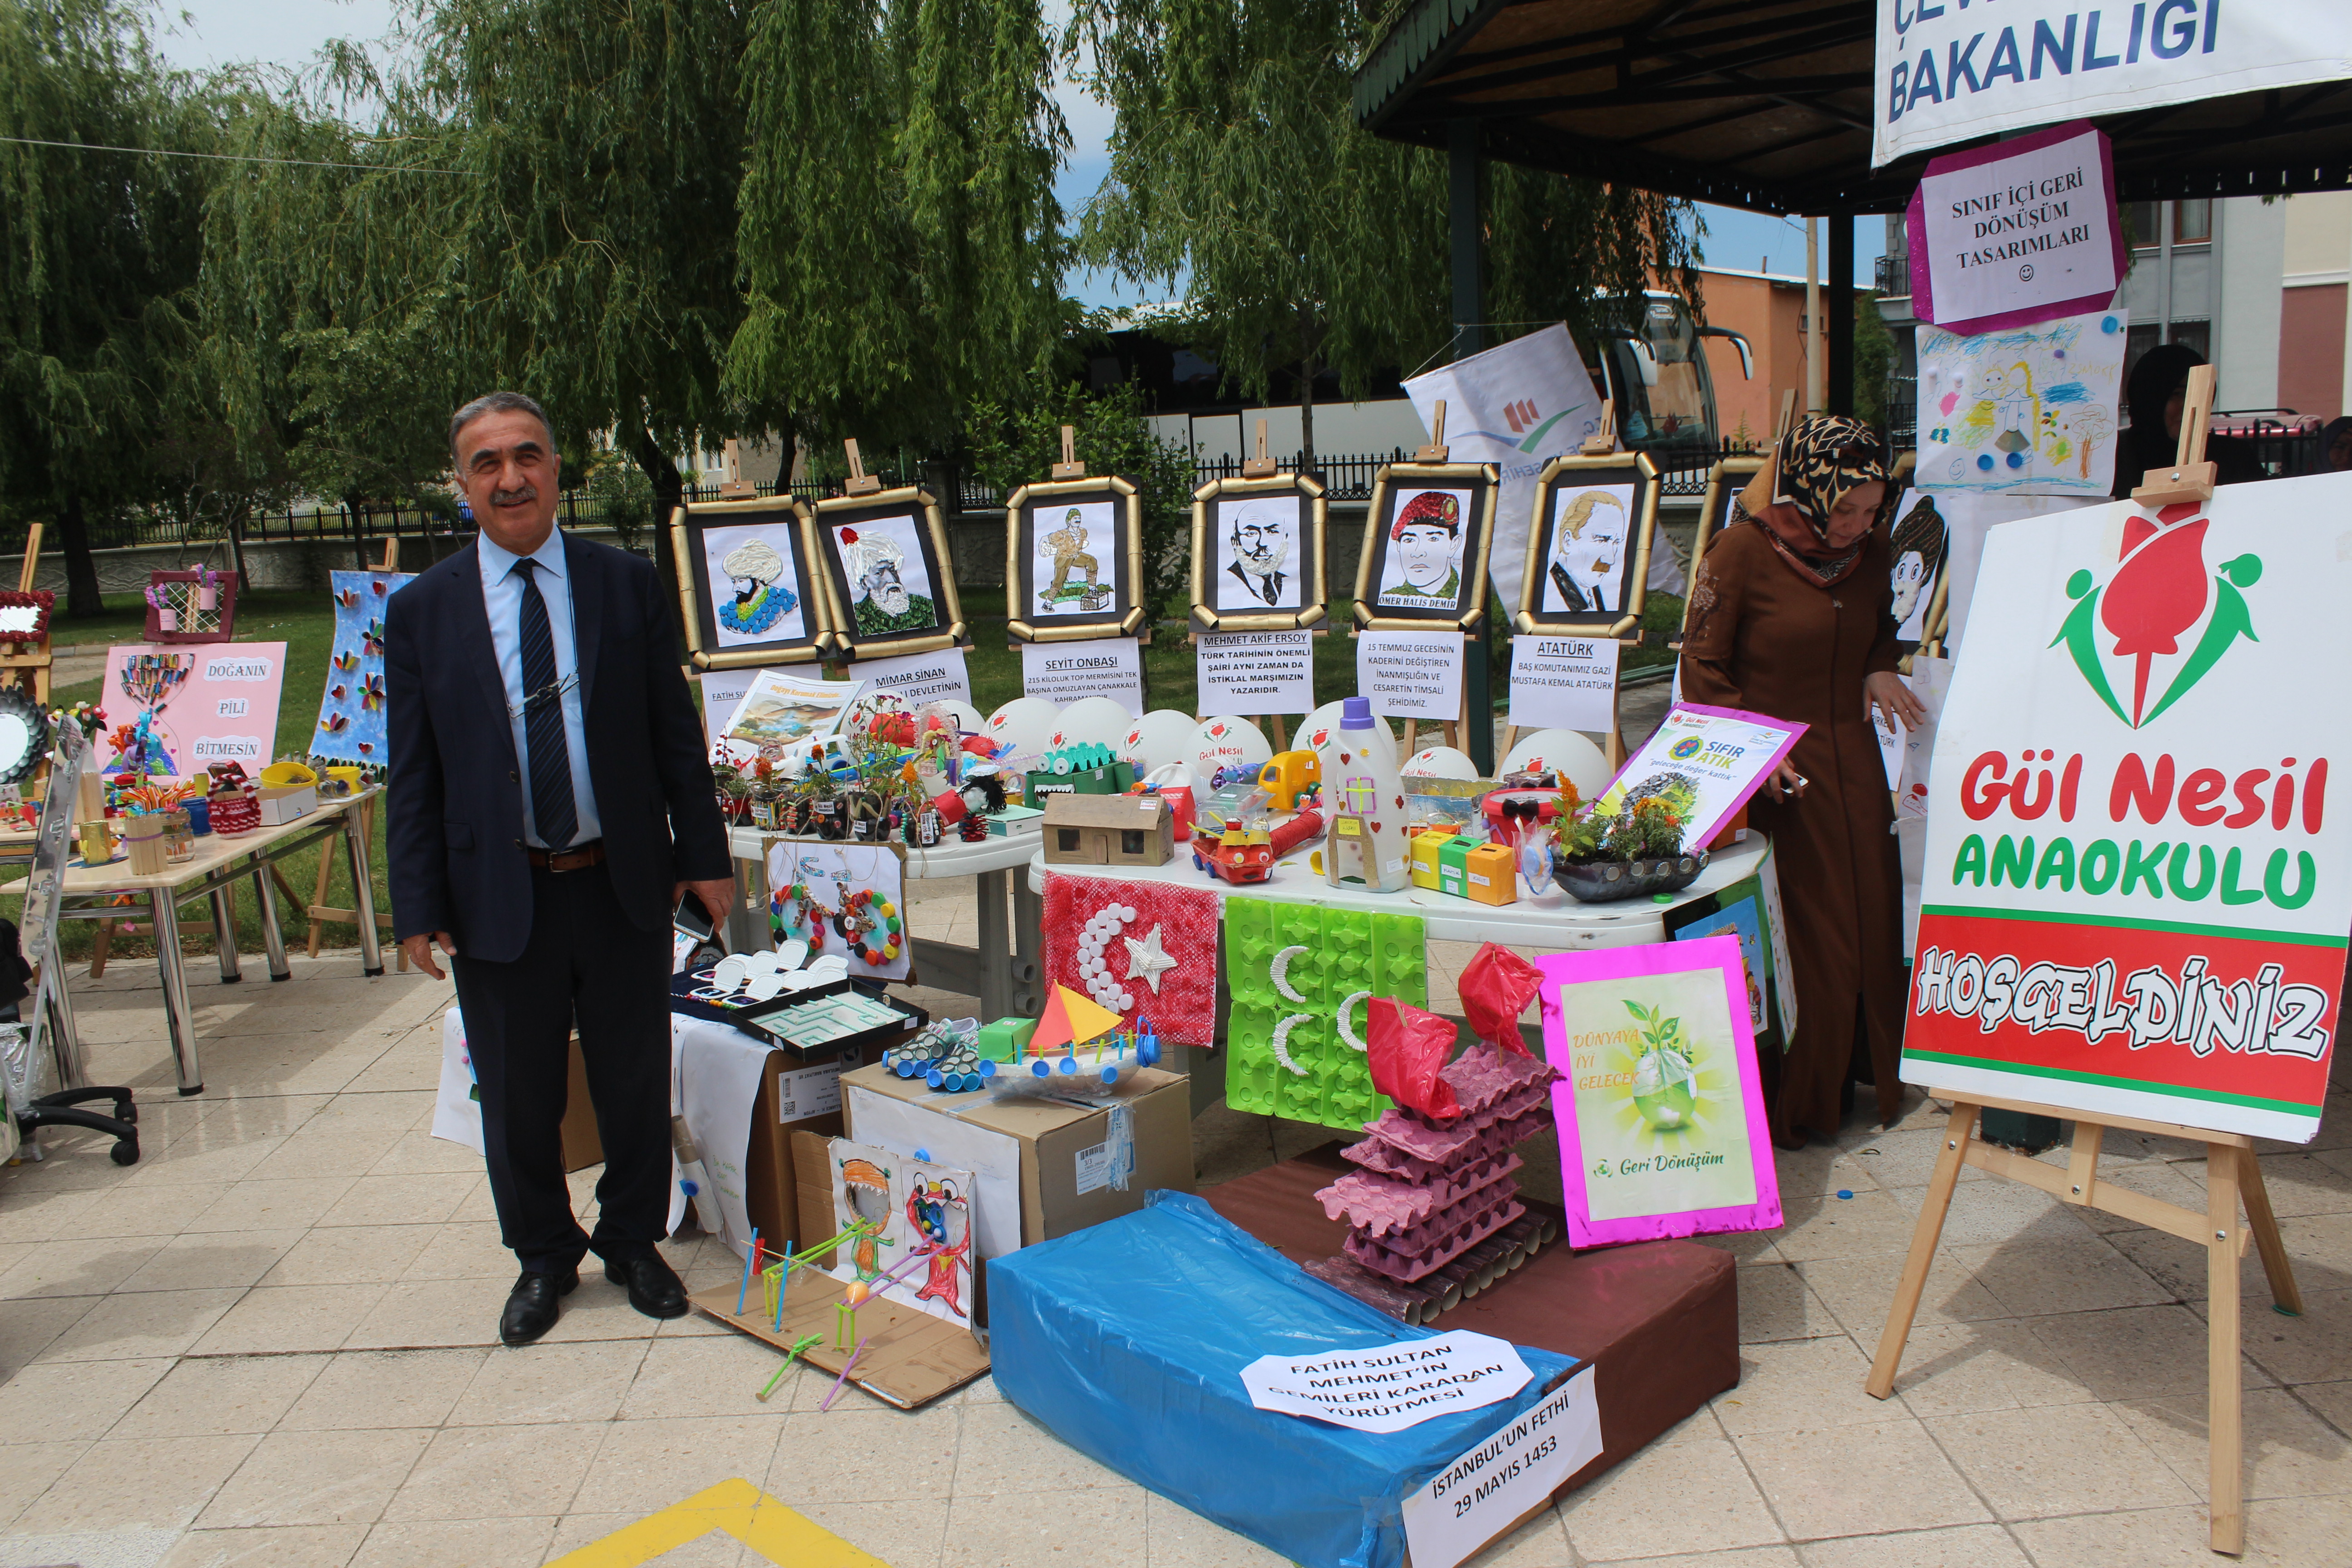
(514, 497)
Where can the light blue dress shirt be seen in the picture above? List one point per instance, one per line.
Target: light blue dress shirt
(503, 598)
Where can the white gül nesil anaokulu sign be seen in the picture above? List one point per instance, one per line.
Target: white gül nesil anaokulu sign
(2136, 887)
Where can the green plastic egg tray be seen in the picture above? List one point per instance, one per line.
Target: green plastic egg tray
(1346, 952)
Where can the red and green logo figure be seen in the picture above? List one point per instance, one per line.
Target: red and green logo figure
(2159, 589)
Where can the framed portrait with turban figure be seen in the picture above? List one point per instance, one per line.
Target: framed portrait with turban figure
(1589, 545)
(1257, 554)
(1427, 535)
(1074, 560)
(747, 584)
(890, 580)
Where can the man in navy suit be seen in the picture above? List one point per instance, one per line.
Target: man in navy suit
(550, 801)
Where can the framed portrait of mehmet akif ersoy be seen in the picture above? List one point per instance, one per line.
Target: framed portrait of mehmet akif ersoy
(1074, 560)
(747, 583)
(889, 582)
(1258, 548)
(1426, 539)
(1589, 545)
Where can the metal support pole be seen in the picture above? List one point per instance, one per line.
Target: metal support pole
(224, 935)
(177, 1012)
(273, 940)
(1837, 299)
(1463, 139)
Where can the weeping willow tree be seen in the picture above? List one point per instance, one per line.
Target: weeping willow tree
(899, 235)
(1299, 241)
(100, 246)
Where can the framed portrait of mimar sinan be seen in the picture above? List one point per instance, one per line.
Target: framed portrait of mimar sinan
(1724, 482)
(889, 580)
(1074, 560)
(747, 583)
(1589, 545)
(1258, 550)
(1427, 535)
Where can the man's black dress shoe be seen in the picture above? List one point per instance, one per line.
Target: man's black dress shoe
(531, 1308)
(655, 1288)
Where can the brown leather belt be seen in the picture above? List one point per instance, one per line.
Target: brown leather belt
(577, 859)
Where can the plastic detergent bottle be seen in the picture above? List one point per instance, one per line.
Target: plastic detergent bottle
(1363, 797)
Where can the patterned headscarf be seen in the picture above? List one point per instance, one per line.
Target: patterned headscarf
(1817, 464)
(1820, 460)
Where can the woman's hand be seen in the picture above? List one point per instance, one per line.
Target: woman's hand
(1785, 782)
(1885, 693)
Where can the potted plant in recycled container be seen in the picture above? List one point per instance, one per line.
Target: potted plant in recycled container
(1635, 850)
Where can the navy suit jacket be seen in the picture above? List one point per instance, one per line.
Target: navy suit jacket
(453, 826)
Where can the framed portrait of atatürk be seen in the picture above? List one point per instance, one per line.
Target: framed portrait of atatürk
(1589, 545)
(1074, 560)
(889, 580)
(748, 587)
(1426, 539)
(1258, 548)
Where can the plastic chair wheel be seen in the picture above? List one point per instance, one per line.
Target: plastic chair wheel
(125, 1151)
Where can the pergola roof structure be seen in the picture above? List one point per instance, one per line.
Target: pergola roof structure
(1766, 104)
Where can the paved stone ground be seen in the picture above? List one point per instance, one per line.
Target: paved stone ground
(272, 1343)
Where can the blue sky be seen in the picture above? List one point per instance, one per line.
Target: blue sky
(205, 32)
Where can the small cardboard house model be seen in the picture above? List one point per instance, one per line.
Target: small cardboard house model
(1109, 830)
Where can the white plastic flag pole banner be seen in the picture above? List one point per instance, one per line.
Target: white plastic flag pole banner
(1947, 73)
(1255, 672)
(1517, 406)
(2017, 233)
(1412, 675)
(1506, 1477)
(2133, 895)
(1389, 1387)
(1063, 672)
(1564, 683)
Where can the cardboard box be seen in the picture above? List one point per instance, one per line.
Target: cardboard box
(1109, 830)
(282, 803)
(1425, 848)
(1058, 1149)
(792, 1102)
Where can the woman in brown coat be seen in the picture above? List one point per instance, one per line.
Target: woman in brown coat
(1788, 618)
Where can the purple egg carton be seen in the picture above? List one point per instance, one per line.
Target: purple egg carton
(1483, 1078)
(1375, 1153)
(1462, 1139)
(1377, 1206)
(1397, 1261)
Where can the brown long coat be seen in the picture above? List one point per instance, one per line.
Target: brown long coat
(1764, 639)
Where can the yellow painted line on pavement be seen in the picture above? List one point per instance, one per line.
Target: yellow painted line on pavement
(736, 1506)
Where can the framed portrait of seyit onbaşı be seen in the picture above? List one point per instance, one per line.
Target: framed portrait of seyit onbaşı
(1724, 482)
(1074, 560)
(1589, 545)
(889, 580)
(1258, 554)
(1426, 539)
(747, 582)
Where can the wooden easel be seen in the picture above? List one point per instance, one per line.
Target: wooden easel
(2231, 1172)
(2231, 1175)
(37, 663)
(316, 910)
(861, 483)
(1069, 467)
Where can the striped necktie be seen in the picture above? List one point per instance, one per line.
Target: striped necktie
(552, 809)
